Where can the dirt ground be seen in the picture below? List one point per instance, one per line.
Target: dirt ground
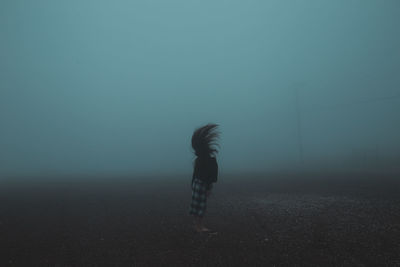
(260, 220)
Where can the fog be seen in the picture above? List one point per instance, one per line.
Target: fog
(117, 87)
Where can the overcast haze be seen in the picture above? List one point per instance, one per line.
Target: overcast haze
(89, 87)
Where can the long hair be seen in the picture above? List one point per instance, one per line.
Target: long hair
(204, 140)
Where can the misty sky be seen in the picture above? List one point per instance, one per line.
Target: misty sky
(119, 86)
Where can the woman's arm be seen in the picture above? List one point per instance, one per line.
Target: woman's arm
(214, 171)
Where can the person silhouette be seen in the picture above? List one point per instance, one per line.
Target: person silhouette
(205, 171)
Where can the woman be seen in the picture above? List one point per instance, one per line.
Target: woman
(205, 171)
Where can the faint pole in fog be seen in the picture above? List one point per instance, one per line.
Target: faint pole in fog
(296, 87)
(374, 155)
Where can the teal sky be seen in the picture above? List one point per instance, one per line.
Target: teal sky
(118, 87)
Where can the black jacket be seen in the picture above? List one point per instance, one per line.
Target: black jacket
(206, 170)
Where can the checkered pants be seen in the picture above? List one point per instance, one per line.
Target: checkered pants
(199, 198)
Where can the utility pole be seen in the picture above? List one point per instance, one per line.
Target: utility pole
(296, 88)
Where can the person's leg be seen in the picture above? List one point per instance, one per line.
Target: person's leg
(199, 203)
(199, 225)
(203, 207)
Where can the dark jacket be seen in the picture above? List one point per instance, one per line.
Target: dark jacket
(206, 170)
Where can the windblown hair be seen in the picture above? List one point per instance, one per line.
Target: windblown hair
(204, 140)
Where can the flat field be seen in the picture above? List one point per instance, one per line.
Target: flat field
(314, 219)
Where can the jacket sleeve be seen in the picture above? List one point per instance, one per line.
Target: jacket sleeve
(195, 170)
(213, 174)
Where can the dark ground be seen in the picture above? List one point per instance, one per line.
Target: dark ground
(271, 220)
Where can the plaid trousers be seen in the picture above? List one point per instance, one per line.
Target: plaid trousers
(199, 198)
